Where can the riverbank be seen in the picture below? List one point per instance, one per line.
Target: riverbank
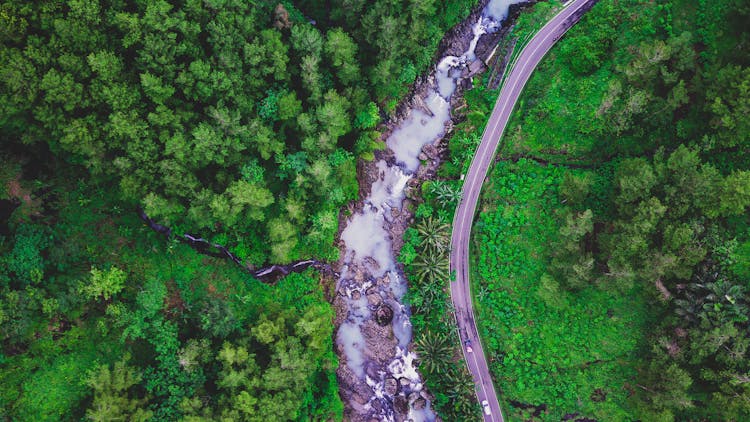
(378, 375)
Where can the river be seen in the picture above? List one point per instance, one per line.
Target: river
(375, 333)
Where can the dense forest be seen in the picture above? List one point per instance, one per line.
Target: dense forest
(102, 319)
(613, 244)
(240, 122)
(236, 120)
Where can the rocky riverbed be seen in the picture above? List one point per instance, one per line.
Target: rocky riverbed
(377, 374)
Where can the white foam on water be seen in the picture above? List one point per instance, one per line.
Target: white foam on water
(478, 30)
(401, 325)
(398, 285)
(446, 82)
(358, 308)
(424, 415)
(403, 365)
(365, 237)
(450, 68)
(350, 337)
(388, 190)
(497, 10)
(377, 386)
(418, 130)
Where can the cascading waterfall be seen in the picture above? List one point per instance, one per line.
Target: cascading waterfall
(369, 265)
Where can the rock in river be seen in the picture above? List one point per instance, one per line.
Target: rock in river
(391, 386)
(384, 315)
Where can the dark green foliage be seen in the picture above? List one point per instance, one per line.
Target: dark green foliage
(192, 109)
(434, 352)
(551, 336)
(271, 372)
(393, 41)
(103, 284)
(237, 121)
(112, 400)
(611, 281)
(25, 261)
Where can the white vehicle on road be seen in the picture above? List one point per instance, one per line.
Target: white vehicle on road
(486, 407)
(468, 346)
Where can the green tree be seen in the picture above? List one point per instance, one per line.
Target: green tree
(572, 259)
(368, 117)
(433, 234)
(283, 237)
(729, 96)
(114, 398)
(434, 351)
(289, 106)
(25, 261)
(342, 52)
(306, 39)
(446, 194)
(574, 188)
(735, 193)
(431, 265)
(103, 284)
(333, 115)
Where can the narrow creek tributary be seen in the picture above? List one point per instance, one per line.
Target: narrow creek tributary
(377, 374)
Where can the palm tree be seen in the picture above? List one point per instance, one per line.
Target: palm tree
(483, 292)
(462, 395)
(428, 293)
(727, 299)
(461, 384)
(433, 350)
(712, 296)
(432, 291)
(690, 307)
(445, 193)
(723, 291)
(431, 265)
(468, 409)
(434, 233)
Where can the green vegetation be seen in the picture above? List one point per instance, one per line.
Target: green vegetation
(103, 319)
(237, 121)
(229, 119)
(611, 247)
(425, 258)
(612, 253)
(559, 349)
(232, 119)
(397, 39)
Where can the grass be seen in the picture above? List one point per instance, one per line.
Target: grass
(557, 351)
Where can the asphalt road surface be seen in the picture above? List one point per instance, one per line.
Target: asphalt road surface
(459, 259)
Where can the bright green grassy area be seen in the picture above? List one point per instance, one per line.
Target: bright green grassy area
(560, 116)
(572, 352)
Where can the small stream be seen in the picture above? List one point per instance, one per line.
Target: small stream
(387, 384)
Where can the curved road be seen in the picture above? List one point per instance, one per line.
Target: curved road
(530, 56)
